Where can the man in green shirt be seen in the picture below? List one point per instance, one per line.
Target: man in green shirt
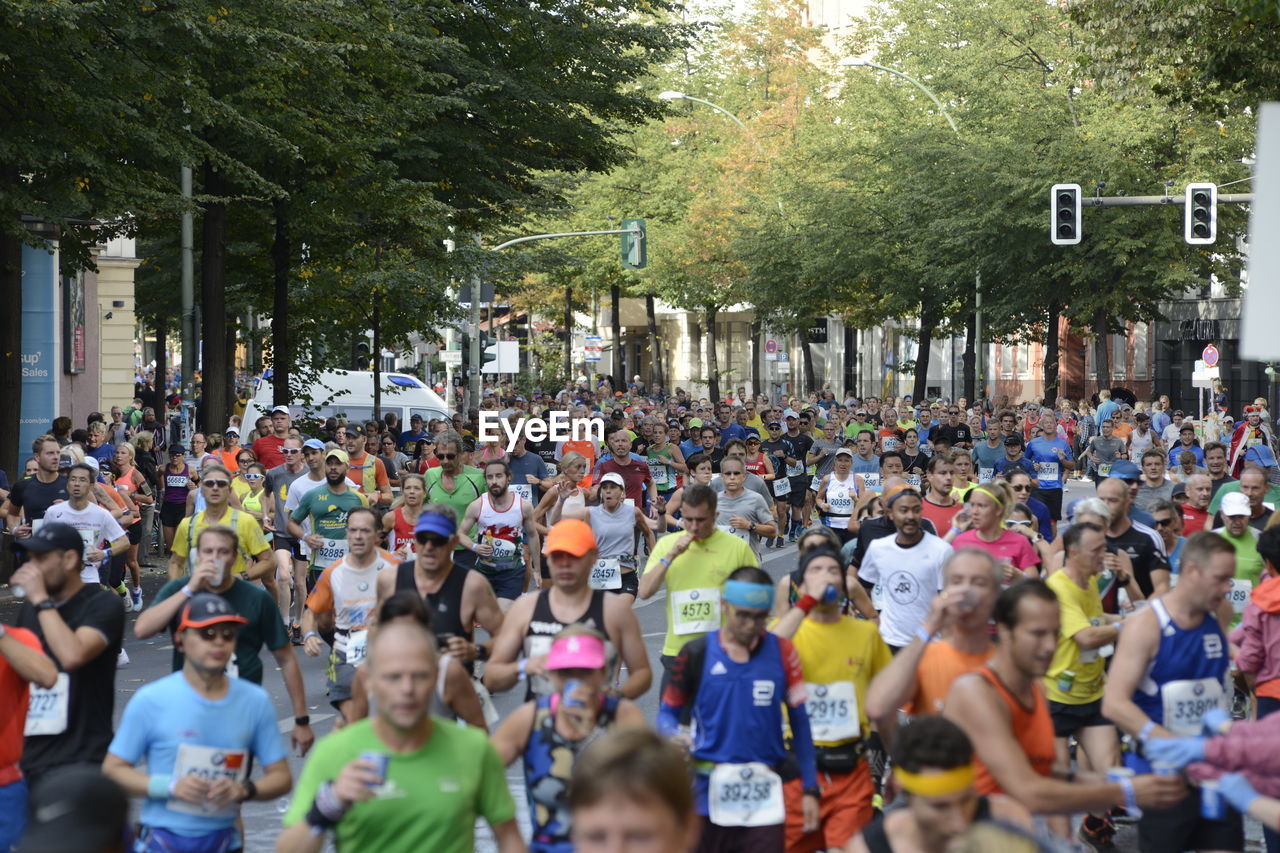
(436, 780)
(1243, 537)
(327, 507)
(455, 484)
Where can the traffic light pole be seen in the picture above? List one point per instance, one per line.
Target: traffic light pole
(1140, 200)
(473, 403)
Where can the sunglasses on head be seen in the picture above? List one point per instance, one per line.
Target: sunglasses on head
(221, 484)
(435, 540)
(209, 632)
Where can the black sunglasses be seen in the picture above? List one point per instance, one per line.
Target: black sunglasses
(226, 632)
(446, 456)
(1163, 522)
(221, 484)
(435, 540)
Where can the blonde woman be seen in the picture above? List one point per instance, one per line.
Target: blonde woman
(400, 523)
(981, 524)
(563, 493)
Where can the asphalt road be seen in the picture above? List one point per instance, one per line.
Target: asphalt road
(150, 659)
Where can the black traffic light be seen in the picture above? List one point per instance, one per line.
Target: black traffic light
(1064, 214)
(1200, 224)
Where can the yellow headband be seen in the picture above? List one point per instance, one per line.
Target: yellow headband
(990, 494)
(942, 784)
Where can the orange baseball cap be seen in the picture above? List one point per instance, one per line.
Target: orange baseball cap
(571, 536)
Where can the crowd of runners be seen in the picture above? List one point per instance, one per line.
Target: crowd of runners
(947, 651)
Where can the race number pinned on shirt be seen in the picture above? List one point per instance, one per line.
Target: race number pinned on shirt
(524, 491)
(1047, 471)
(1104, 470)
(47, 708)
(871, 481)
(1186, 701)
(357, 647)
(745, 795)
(658, 471)
(815, 483)
(796, 470)
(833, 711)
(1241, 589)
(985, 474)
(210, 764)
(781, 487)
(913, 480)
(696, 611)
(330, 551)
(606, 574)
(734, 531)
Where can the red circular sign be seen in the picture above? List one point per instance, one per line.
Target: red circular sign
(1210, 356)
(770, 345)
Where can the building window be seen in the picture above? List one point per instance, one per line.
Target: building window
(1024, 360)
(1119, 356)
(1006, 361)
(1141, 356)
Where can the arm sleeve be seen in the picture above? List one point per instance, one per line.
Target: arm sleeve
(677, 693)
(802, 745)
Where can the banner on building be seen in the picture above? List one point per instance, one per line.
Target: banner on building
(39, 345)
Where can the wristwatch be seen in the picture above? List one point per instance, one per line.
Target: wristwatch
(304, 720)
(47, 604)
(752, 528)
(482, 652)
(250, 790)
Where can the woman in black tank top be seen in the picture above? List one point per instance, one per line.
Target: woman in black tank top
(445, 606)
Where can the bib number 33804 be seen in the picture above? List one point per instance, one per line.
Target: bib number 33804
(745, 795)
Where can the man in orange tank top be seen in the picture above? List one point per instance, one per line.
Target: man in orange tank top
(1003, 710)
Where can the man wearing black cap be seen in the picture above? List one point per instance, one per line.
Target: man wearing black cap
(1014, 457)
(199, 732)
(409, 438)
(79, 810)
(81, 627)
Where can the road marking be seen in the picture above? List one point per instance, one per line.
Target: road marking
(655, 634)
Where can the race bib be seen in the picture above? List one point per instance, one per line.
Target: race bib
(658, 471)
(1241, 589)
(815, 483)
(502, 548)
(177, 481)
(781, 487)
(871, 481)
(524, 491)
(606, 574)
(210, 764)
(796, 470)
(357, 647)
(985, 474)
(695, 611)
(833, 711)
(1104, 470)
(330, 551)
(1186, 701)
(889, 444)
(90, 543)
(745, 795)
(47, 708)
(841, 503)
(913, 480)
(1047, 471)
(734, 531)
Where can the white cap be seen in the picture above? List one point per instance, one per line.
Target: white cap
(1235, 503)
(231, 431)
(92, 462)
(284, 409)
(615, 478)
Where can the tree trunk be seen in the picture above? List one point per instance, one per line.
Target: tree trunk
(970, 358)
(923, 351)
(1052, 355)
(281, 356)
(615, 321)
(11, 351)
(213, 304)
(756, 332)
(162, 364)
(230, 384)
(655, 352)
(376, 346)
(1101, 352)
(806, 356)
(713, 366)
(568, 334)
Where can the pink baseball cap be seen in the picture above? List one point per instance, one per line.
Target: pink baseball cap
(580, 651)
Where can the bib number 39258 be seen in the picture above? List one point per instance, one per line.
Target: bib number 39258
(745, 795)
(696, 611)
(47, 708)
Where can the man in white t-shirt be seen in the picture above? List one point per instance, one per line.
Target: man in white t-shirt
(96, 526)
(907, 567)
(313, 453)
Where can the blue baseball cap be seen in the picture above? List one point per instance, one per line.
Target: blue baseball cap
(1122, 469)
(314, 444)
(1260, 454)
(437, 523)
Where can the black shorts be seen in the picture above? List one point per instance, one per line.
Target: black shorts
(630, 584)
(1182, 828)
(134, 532)
(1052, 499)
(799, 490)
(171, 515)
(1069, 719)
(280, 542)
(466, 559)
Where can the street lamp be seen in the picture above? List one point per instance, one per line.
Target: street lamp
(863, 62)
(670, 95)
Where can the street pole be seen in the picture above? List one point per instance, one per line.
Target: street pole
(188, 297)
(978, 349)
(473, 404)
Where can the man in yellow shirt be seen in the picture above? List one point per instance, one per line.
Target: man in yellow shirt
(1076, 678)
(839, 656)
(694, 566)
(215, 485)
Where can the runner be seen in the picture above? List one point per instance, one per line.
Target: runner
(1143, 545)
(939, 504)
(325, 508)
(1186, 443)
(507, 544)
(933, 766)
(400, 523)
(432, 780)
(253, 554)
(984, 526)
(550, 731)
(81, 627)
(631, 791)
(313, 456)
(733, 683)
(346, 592)
(1053, 462)
(197, 773)
(457, 485)
(520, 650)
(838, 494)
(777, 448)
(1171, 666)
(291, 578)
(1077, 675)
(269, 448)
(1002, 709)
(23, 667)
(100, 531)
(798, 444)
(641, 488)
(1215, 460)
(214, 548)
(30, 498)
(457, 598)
(1014, 457)
(740, 512)
(908, 567)
(366, 474)
(1243, 537)
(615, 526)
(1253, 486)
(1154, 485)
(839, 655)
(987, 453)
(693, 565)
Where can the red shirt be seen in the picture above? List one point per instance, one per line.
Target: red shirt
(636, 475)
(941, 515)
(267, 449)
(1193, 520)
(14, 693)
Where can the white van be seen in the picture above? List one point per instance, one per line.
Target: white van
(349, 394)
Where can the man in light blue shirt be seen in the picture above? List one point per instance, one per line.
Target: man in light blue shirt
(1052, 459)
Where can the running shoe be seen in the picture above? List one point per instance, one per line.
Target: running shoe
(122, 659)
(296, 635)
(136, 595)
(1098, 834)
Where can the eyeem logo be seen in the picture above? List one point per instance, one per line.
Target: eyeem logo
(556, 426)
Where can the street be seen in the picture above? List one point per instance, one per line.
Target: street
(151, 659)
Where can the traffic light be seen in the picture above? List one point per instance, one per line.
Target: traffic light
(1200, 224)
(634, 254)
(1064, 214)
(361, 355)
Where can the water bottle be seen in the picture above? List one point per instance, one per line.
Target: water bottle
(1066, 678)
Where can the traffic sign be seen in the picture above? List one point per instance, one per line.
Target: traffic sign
(771, 345)
(451, 357)
(1210, 356)
(782, 356)
(592, 348)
